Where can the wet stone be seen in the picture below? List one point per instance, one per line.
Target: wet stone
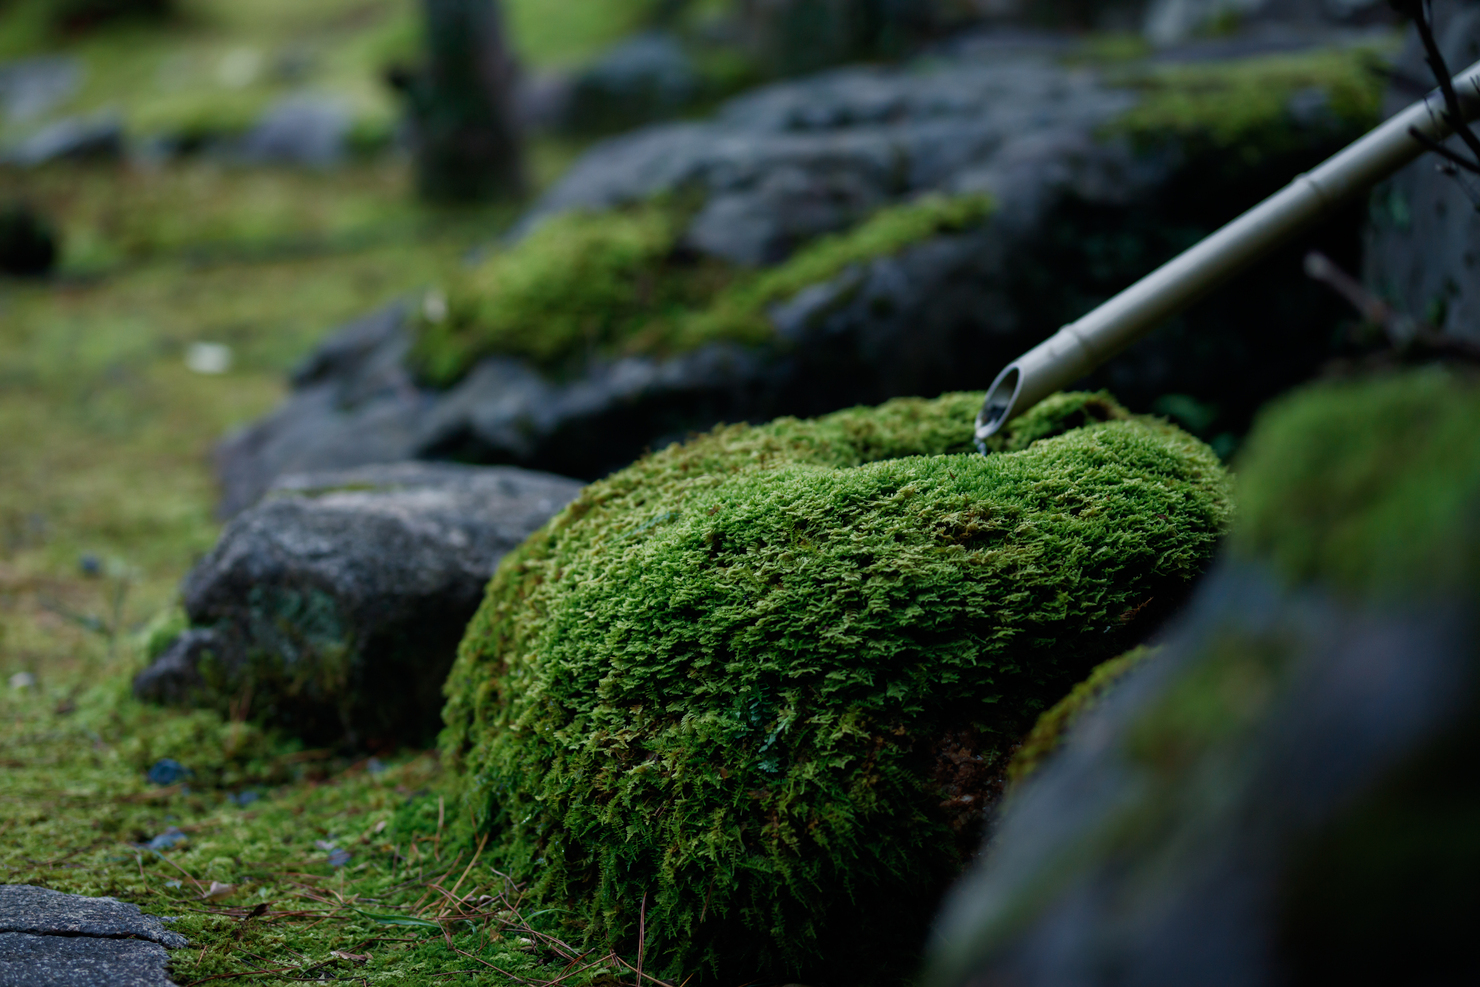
(51, 939)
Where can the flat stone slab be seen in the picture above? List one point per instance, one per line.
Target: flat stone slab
(81, 961)
(43, 912)
(51, 939)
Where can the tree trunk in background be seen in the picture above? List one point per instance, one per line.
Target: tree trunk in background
(466, 137)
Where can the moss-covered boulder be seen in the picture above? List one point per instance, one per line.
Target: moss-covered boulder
(1286, 793)
(766, 681)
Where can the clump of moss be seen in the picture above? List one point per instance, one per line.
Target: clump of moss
(1370, 486)
(1048, 733)
(1255, 107)
(620, 282)
(724, 680)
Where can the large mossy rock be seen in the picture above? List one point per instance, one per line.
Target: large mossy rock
(767, 680)
(1286, 793)
(844, 239)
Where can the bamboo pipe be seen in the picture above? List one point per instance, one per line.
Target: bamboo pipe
(1085, 344)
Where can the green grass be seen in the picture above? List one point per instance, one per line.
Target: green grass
(75, 807)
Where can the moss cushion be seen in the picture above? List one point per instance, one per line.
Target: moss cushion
(762, 681)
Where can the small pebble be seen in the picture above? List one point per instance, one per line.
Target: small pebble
(167, 771)
(23, 680)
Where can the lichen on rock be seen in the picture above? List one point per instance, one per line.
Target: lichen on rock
(620, 282)
(733, 681)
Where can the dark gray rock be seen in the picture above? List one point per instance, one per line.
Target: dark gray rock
(1423, 244)
(1264, 803)
(174, 678)
(41, 911)
(335, 605)
(301, 129)
(1080, 215)
(646, 78)
(1171, 22)
(58, 961)
(92, 138)
(51, 939)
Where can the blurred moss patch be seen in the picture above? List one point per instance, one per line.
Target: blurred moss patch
(619, 283)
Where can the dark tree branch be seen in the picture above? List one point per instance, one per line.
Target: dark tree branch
(1432, 145)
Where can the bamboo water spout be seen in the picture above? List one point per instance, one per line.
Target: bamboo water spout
(1085, 344)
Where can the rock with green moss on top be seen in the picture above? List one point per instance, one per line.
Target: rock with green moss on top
(1286, 794)
(767, 680)
(846, 239)
(587, 285)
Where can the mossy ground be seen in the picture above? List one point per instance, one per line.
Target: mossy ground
(726, 680)
(337, 869)
(617, 283)
(216, 67)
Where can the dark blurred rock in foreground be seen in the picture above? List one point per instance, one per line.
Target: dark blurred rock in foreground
(1423, 249)
(334, 607)
(1287, 794)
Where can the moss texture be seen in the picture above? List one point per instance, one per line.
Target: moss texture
(734, 679)
(1048, 733)
(618, 282)
(1369, 486)
(1254, 108)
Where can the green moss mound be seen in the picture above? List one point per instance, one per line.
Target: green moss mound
(735, 679)
(619, 283)
(1369, 486)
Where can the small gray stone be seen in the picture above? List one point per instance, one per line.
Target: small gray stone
(91, 138)
(302, 129)
(41, 911)
(64, 961)
(335, 605)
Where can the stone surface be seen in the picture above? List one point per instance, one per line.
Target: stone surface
(91, 138)
(1423, 246)
(41, 911)
(1080, 215)
(648, 77)
(31, 87)
(59, 961)
(302, 129)
(1170, 22)
(51, 939)
(335, 604)
(1334, 697)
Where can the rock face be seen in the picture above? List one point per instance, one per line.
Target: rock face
(1423, 247)
(334, 606)
(302, 129)
(649, 77)
(1091, 189)
(1281, 795)
(51, 939)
